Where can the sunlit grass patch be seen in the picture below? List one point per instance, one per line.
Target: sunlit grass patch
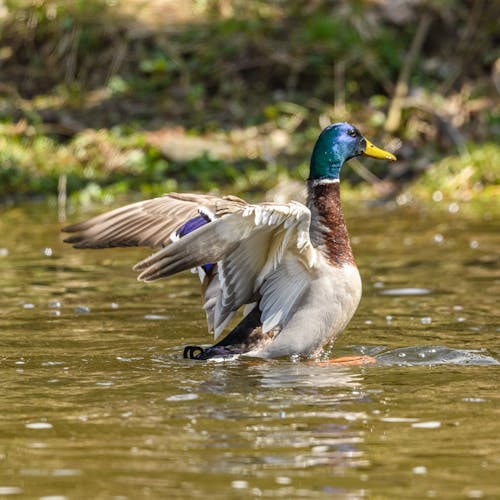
(473, 175)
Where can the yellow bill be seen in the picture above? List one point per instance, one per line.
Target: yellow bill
(374, 152)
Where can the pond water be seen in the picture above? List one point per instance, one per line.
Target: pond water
(97, 402)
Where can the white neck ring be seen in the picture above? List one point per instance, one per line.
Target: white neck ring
(321, 182)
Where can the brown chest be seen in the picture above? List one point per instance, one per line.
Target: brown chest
(328, 228)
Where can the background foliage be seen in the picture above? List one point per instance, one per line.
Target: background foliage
(120, 96)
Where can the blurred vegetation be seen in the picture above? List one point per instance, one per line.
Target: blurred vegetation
(128, 95)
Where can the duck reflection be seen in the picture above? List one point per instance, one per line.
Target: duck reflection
(293, 415)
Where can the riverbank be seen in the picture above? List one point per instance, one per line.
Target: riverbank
(101, 99)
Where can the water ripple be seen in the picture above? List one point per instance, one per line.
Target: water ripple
(435, 355)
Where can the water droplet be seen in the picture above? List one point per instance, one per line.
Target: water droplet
(426, 320)
(458, 308)
(10, 490)
(82, 309)
(37, 446)
(129, 360)
(155, 317)
(388, 318)
(54, 304)
(398, 419)
(38, 425)
(420, 469)
(453, 208)
(114, 305)
(4, 252)
(474, 244)
(182, 397)
(437, 196)
(421, 355)
(406, 291)
(319, 449)
(55, 312)
(66, 472)
(402, 199)
(438, 238)
(368, 322)
(474, 400)
(239, 484)
(461, 319)
(28, 306)
(474, 494)
(427, 425)
(378, 284)
(47, 251)
(402, 355)
(283, 480)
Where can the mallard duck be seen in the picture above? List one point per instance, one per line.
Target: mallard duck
(289, 265)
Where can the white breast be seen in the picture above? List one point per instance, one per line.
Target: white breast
(323, 312)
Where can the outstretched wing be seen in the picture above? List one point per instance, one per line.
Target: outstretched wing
(263, 252)
(148, 223)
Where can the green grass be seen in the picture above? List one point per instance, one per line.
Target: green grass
(105, 163)
(83, 82)
(471, 176)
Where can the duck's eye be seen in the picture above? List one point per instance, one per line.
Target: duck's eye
(352, 132)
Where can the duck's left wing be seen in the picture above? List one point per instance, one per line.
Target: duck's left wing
(263, 252)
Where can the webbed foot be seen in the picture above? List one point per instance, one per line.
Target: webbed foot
(349, 361)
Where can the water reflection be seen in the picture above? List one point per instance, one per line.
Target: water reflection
(306, 375)
(98, 399)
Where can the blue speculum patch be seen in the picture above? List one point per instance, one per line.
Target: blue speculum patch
(190, 226)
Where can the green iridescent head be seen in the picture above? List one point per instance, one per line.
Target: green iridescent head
(337, 144)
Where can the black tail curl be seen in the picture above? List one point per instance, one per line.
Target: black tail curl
(191, 350)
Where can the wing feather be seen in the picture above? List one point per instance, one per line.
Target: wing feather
(263, 252)
(147, 223)
(282, 290)
(260, 250)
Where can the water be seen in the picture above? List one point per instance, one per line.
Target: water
(96, 401)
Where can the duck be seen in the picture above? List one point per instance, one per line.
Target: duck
(288, 266)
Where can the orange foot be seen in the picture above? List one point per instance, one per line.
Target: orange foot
(349, 361)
